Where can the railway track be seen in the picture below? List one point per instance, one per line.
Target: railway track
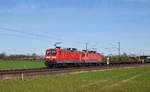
(22, 73)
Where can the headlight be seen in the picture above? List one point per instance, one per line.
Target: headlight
(47, 57)
(53, 57)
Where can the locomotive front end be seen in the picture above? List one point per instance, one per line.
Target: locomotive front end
(50, 57)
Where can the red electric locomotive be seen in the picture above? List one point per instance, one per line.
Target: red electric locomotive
(71, 56)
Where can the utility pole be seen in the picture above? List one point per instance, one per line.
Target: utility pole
(86, 46)
(143, 53)
(119, 50)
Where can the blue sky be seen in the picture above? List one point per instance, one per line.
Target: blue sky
(101, 23)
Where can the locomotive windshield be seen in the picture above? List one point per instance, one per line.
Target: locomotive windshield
(51, 52)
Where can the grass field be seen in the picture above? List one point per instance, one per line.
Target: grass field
(20, 64)
(116, 80)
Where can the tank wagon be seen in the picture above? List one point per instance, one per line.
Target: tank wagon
(71, 56)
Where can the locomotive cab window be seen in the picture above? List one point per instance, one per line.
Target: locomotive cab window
(51, 52)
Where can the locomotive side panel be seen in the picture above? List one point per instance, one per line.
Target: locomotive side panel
(93, 57)
(70, 57)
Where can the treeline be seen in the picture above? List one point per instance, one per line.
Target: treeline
(33, 56)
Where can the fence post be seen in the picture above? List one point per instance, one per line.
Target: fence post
(22, 76)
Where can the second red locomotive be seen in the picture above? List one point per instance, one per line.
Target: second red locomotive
(71, 56)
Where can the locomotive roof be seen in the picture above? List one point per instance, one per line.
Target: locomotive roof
(73, 50)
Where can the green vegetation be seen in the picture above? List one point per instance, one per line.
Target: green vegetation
(116, 80)
(20, 64)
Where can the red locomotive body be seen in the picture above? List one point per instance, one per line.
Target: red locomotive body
(70, 56)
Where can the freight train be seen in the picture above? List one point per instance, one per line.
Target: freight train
(71, 56)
